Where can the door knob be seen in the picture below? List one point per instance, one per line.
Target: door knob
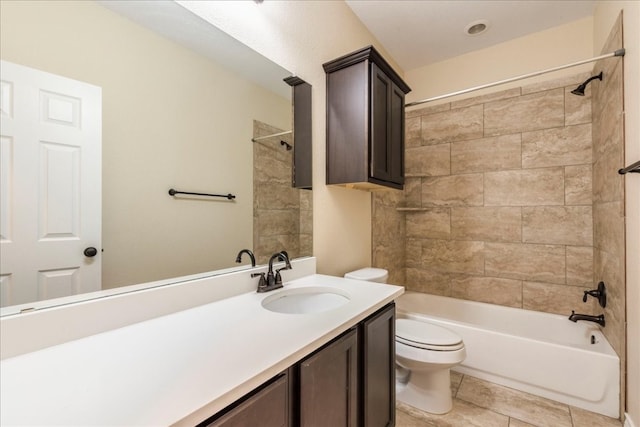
(90, 252)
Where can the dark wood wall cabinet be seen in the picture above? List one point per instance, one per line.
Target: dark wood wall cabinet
(349, 382)
(302, 158)
(365, 121)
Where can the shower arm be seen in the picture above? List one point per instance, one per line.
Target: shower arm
(619, 52)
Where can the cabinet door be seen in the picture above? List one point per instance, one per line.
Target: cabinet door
(387, 128)
(379, 137)
(395, 146)
(378, 368)
(328, 384)
(267, 407)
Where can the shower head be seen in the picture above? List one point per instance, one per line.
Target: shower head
(580, 89)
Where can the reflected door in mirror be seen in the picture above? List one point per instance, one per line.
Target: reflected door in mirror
(50, 208)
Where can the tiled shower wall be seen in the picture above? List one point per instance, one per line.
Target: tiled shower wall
(497, 204)
(608, 192)
(282, 215)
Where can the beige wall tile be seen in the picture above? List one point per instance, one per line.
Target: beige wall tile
(525, 262)
(428, 281)
(486, 154)
(429, 109)
(577, 185)
(608, 227)
(570, 81)
(453, 256)
(455, 125)
(562, 146)
(495, 96)
(412, 191)
(564, 225)
(497, 224)
(523, 406)
(412, 132)
(558, 299)
(580, 265)
(430, 160)
(273, 222)
(276, 197)
(540, 110)
(390, 256)
(530, 187)
(413, 253)
(577, 109)
(455, 190)
(387, 224)
(432, 223)
(491, 290)
(608, 184)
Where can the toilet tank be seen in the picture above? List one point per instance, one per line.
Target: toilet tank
(369, 274)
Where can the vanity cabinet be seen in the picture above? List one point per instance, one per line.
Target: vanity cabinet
(348, 382)
(266, 406)
(329, 384)
(378, 352)
(365, 121)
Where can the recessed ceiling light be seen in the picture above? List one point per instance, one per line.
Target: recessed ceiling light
(476, 27)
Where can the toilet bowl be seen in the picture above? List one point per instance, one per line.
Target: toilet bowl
(428, 352)
(425, 354)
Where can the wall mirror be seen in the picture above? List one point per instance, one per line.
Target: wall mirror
(181, 102)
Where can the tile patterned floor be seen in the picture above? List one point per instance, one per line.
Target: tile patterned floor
(478, 403)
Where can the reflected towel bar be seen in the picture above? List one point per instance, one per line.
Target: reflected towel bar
(173, 192)
(633, 168)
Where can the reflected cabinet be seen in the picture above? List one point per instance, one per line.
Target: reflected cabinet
(365, 122)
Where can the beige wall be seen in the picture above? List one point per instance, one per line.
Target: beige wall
(539, 51)
(171, 118)
(605, 15)
(301, 36)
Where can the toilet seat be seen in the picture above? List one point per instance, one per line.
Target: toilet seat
(427, 336)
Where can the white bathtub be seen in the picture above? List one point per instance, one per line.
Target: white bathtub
(538, 353)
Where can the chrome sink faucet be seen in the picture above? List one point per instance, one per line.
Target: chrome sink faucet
(273, 281)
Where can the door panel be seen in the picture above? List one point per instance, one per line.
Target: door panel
(51, 158)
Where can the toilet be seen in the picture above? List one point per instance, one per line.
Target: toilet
(425, 354)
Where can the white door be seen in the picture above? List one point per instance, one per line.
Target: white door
(50, 185)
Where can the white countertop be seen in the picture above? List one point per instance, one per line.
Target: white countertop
(178, 368)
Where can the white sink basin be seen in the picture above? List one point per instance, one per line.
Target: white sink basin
(313, 299)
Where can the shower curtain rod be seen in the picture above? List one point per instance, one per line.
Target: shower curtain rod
(271, 136)
(619, 52)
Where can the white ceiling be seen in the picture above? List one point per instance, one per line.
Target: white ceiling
(420, 32)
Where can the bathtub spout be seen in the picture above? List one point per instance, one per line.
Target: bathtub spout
(574, 317)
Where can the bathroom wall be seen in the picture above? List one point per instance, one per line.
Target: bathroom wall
(605, 16)
(282, 215)
(497, 202)
(609, 192)
(556, 46)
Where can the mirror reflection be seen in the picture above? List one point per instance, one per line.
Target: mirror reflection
(172, 117)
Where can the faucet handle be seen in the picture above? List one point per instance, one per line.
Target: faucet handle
(262, 283)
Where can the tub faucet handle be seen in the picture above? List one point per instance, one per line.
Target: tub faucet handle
(600, 294)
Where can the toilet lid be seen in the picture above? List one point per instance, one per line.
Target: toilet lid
(426, 335)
